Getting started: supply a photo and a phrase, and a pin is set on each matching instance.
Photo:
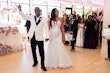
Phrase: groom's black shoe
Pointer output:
(44, 68)
(34, 64)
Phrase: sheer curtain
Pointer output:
(106, 22)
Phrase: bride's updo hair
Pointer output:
(53, 16)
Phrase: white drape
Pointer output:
(106, 22)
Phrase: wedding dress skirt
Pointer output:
(56, 55)
(80, 36)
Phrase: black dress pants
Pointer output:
(108, 48)
(74, 39)
(72, 44)
(40, 44)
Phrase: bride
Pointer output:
(56, 55)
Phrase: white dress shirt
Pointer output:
(39, 29)
(37, 18)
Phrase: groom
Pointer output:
(36, 34)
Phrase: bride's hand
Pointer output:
(46, 39)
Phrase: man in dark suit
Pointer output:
(74, 29)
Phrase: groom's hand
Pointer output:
(19, 7)
(46, 39)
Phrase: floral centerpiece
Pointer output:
(8, 29)
(5, 49)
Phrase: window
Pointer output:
(42, 6)
(25, 8)
(68, 11)
(79, 10)
(94, 9)
(3, 0)
(54, 5)
(3, 15)
(87, 11)
(21, 1)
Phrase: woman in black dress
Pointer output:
(90, 41)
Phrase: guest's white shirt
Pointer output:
(39, 29)
(106, 33)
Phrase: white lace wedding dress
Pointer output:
(56, 55)
(80, 36)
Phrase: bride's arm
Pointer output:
(49, 24)
(63, 30)
(48, 28)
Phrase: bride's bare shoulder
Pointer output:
(60, 19)
(48, 19)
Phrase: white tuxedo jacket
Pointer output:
(39, 29)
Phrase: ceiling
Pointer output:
(88, 2)
(94, 2)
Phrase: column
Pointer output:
(106, 22)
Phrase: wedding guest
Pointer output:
(80, 34)
(74, 30)
(90, 33)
